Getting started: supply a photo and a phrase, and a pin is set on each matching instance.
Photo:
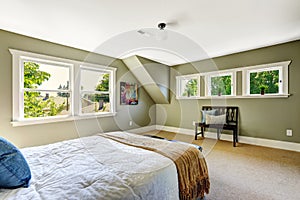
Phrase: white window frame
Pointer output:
(110, 90)
(283, 77)
(208, 77)
(18, 58)
(179, 86)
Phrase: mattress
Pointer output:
(95, 167)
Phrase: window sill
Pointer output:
(266, 96)
(60, 119)
(258, 96)
(194, 97)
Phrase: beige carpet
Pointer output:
(247, 171)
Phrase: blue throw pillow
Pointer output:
(207, 112)
(14, 170)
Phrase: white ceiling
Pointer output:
(203, 28)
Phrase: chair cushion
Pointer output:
(14, 169)
(220, 119)
(207, 112)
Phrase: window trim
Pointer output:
(179, 80)
(210, 75)
(17, 81)
(283, 75)
(23, 59)
(285, 80)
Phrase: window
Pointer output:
(269, 79)
(266, 80)
(95, 90)
(45, 89)
(188, 86)
(219, 84)
(260, 81)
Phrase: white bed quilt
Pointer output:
(96, 168)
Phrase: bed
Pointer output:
(115, 165)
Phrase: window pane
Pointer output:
(265, 80)
(94, 80)
(189, 87)
(94, 103)
(45, 77)
(221, 85)
(41, 104)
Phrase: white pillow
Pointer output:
(211, 119)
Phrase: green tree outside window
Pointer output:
(191, 88)
(34, 104)
(269, 80)
(103, 86)
(220, 85)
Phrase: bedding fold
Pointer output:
(191, 166)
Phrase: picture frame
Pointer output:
(128, 93)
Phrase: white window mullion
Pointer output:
(246, 80)
(285, 77)
(280, 84)
(94, 92)
(77, 90)
(20, 115)
(198, 86)
(21, 106)
(112, 90)
(233, 84)
(208, 85)
(71, 88)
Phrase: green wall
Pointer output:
(142, 114)
(261, 118)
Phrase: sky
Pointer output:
(60, 76)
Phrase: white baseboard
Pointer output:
(292, 146)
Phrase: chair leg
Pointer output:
(218, 134)
(202, 132)
(234, 138)
(196, 131)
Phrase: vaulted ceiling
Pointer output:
(196, 29)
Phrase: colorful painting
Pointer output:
(129, 93)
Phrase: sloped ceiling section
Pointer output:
(153, 76)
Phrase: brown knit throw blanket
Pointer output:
(191, 167)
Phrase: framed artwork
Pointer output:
(128, 93)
